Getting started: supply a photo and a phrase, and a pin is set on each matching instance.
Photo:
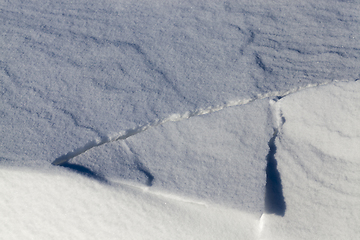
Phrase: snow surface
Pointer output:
(219, 157)
(145, 103)
(56, 204)
(318, 159)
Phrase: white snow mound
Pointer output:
(318, 158)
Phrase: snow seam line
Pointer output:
(174, 118)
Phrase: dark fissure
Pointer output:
(274, 198)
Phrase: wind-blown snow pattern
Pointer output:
(169, 97)
(77, 71)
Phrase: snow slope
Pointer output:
(318, 159)
(138, 101)
(57, 204)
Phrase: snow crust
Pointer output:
(73, 72)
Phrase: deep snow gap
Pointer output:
(274, 197)
(176, 117)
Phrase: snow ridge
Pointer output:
(173, 118)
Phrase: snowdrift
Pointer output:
(179, 120)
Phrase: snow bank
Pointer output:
(318, 159)
(56, 204)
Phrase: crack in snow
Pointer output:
(173, 118)
(274, 197)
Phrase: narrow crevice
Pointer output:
(274, 197)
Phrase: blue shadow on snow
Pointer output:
(274, 198)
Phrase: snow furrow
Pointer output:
(173, 118)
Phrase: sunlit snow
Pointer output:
(318, 159)
(179, 119)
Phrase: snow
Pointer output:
(222, 110)
(318, 159)
(56, 204)
(219, 157)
